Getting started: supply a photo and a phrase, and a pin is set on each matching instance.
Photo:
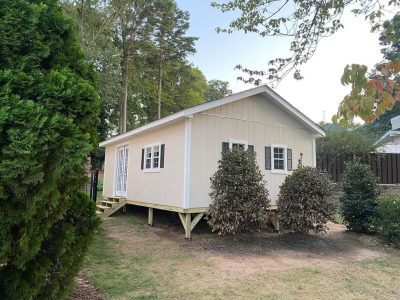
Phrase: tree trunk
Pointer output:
(123, 103)
(159, 86)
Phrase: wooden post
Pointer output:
(188, 223)
(124, 209)
(150, 217)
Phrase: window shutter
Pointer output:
(162, 156)
(225, 146)
(142, 163)
(267, 158)
(250, 148)
(289, 159)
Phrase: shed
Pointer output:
(167, 164)
(390, 141)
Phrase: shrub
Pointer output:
(305, 201)
(359, 201)
(240, 199)
(344, 141)
(48, 122)
(387, 221)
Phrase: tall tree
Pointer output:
(133, 21)
(48, 120)
(170, 39)
(217, 89)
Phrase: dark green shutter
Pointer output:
(267, 158)
(142, 163)
(225, 146)
(250, 148)
(162, 156)
(289, 160)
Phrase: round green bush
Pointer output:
(387, 222)
(240, 199)
(359, 200)
(305, 201)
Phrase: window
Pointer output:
(156, 156)
(233, 144)
(279, 158)
(152, 157)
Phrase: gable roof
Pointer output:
(187, 113)
(387, 135)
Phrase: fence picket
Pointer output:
(385, 166)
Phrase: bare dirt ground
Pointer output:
(268, 265)
(248, 254)
(84, 290)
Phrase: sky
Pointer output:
(318, 95)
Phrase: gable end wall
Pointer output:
(256, 120)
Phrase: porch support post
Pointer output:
(274, 218)
(150, 217)
(188, 226)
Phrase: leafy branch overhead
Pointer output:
(372, 95)
(305, 23)
(369, 98)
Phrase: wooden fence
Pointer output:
(385, 166)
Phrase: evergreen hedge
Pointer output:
(48, 120)
(360, 197)
(305, 201)
(240, 199)
(387, 222)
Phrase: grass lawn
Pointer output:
(129, 260)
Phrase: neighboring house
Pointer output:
(167, 164)
(390, 141)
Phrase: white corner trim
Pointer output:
(186, 163)
(314, 151)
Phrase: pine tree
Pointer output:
(48, 118)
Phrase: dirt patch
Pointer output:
(157, 262)
(84, 290)
(268, 251)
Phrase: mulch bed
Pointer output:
(85, 290)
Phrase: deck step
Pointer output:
(110, 206)
(108, 202)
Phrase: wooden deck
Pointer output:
(189, 217)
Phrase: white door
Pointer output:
(121, 171)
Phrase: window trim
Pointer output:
(278, 171)
(245, 143)
(152, 169)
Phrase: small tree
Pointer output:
(387, 222)
(305, 201)
(240, 199)
(359, 201)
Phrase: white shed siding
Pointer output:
(253, 119)
(164, 187)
